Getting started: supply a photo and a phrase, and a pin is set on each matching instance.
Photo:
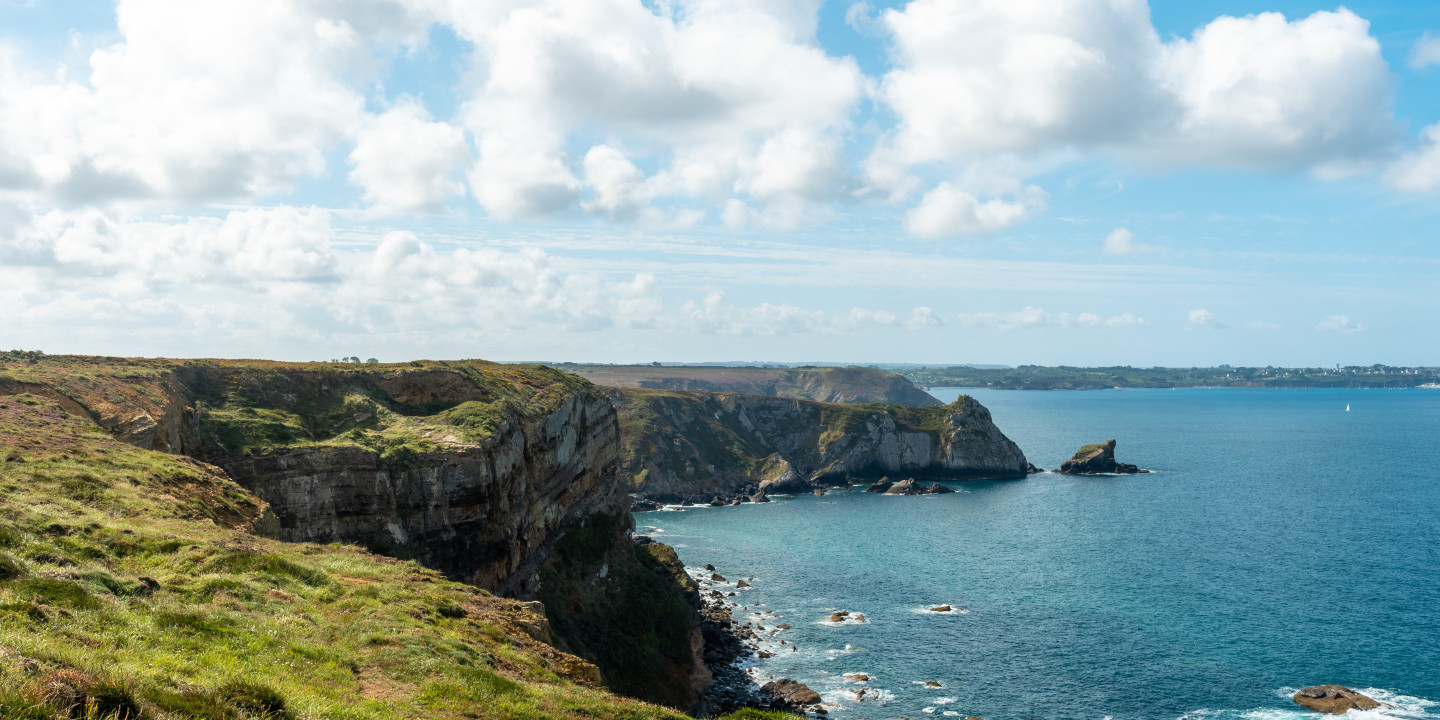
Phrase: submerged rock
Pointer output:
(940, 608)
(1334, 699)
(1096, 459)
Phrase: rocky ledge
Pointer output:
(1097, 459)
(1335, 699)
(908, 486)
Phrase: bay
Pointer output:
(1281, 541)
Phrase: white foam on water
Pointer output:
(1402, 707)
(944, 700)
(951, 713)
(928, 710)
(954, 610)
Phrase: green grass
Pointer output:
(129, 600)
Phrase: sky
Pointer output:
(1086, 182)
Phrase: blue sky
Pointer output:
(1091, 182)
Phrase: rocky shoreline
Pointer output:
(731, 645)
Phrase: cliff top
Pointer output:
(254, 406)
(823, 384)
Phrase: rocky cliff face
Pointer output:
(694, 446)
(500, 476)
(821, 384)
(487, 513)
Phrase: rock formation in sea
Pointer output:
(908, 486)
(1095, 459)
(680, 446)
(1334, 699)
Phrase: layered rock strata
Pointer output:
(697, 446)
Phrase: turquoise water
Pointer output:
(1281, 542)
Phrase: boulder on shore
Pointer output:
(1095, 459)
(759, 498)
(1334, 699)
(791, 693)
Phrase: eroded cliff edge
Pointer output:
(501, 476)
(694, 446)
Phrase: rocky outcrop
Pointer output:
(500, 476)
(487, 514)
(1097, 459)
(1334, 699)
(908, 486)
(790, 694)
(693, 446)
(822, 384)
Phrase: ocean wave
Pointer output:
(1401, 707)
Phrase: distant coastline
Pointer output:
(1036, 377)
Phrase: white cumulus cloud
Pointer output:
(1121, 241)
(991, 79)
(406, 161)
(947, 210)
(1202, 318)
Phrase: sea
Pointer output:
(1285, 538)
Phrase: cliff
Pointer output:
(500, 476)
(822, 384)
(695, 446)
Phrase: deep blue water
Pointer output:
(1280, 542)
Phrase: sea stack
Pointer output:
(1096, 459)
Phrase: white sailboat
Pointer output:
(1347, 407)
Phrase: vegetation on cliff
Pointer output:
(822, 384)
(132, 581)
(679, 445)
(130, 585)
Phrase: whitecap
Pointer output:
(1401, 707)
(954, 610)
(944, 700)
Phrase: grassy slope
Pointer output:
(129, 585)
(127, 576)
